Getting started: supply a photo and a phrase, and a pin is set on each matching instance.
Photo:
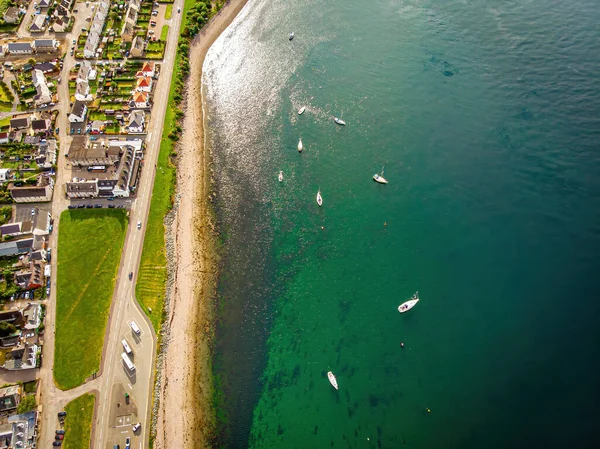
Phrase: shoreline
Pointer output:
(186, 417)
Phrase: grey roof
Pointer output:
(24, 244)
(45, 67)
(19, 122)
(78, 108)
(39, 125)
(27, 192)
(81, 187)
(106, 183)
(31, 140)
(19, 46)
(10, 228)
(44, 43)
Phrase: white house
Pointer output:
(43, 96)
(82, 92)
(4, 175)
(144, 84)
(19, 48)
(136, 122)
(78, 112)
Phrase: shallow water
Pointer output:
(486, 118)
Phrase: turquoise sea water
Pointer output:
(486, 115)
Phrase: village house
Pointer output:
(5, 174)
(93, 39)
(19, 123)
(10, 397)
(42, 192)
(40, 126)
(137, 47)
(78, 112)
(82, 91)
(4, 138)
(45, 45)
(45, 67)
(144, 84)
(136, 122)
(39, 24)
(19, 48)
(148, 69)
(11, 15)
(43, 96)
(140, 100)
(43, 3)
(46, 155)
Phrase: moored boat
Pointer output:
(332, 380)
(339, 121)
(379, 178)
(280, 176)
(291, 35)
(319, 198)
(300, 146)
(406, 306)
(301, 110)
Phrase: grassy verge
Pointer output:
(78, 422)
(90, 244)
(152, 277)
(164, 32)
(168, 12)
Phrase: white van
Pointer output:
(135, 328)
(126, 347)
(128, 363)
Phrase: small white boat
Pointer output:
(379, 178)
(339, 121)
(332, 380)
(301, 110)
(280, 176)
(291, 35)
(319, 198)
(300, 146)
(406, 306)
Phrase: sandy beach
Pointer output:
(185, 418)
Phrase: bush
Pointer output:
(27, 404)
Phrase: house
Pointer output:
(45, 45)
(11, 15)
(84, 71)
(10, 397)
(19, 48)
(46, 155)
(14, 247)
(140, 100)
(4, 174)
(38, 24)
(22, 357)
(93, 39)
(33, 194)
(19, 123)
(82, 189)
(45, 67)
(137, 47)
(43, 96)
(40, 126)
(78, 112)
(61, 12)
(144, 84)
(97, 126)
(149, 69)
(82, 91)
(136, 122)
(127, 33)
(3, 138)
(30, 277)
(32, 316)
(44, 3)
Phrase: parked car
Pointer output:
(98, 206)
(136, 427)
(32, 211)
(57, 443)
(62, 414)
(26, 295)
(127, 443)
(81, 206)
(111, 206)
(130, 275)
(47, 291)
(79, 131)
(72, 130)
(57, 130)
(59, 437)
(111, 198)
(89, 206)
(60, 432)
(139, 225)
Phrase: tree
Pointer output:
(6, 329)
(27, 404)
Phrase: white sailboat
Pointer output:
(301, 110)
(406, 306)
(300, 146)
(292, 35)
(332, 380)
(339, 121)
(319, 198)
(379, 178)
(280, 176)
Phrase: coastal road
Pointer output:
(125, 307)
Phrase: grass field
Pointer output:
(168, 12)
(78, 423)
(90, 244)
(152, 277)
(164, 32)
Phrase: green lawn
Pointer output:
(152, 277)
(89, 250)
(78, 422)
(164, 32)
(168, 12)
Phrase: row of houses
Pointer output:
(95, 32)
(29, 48)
